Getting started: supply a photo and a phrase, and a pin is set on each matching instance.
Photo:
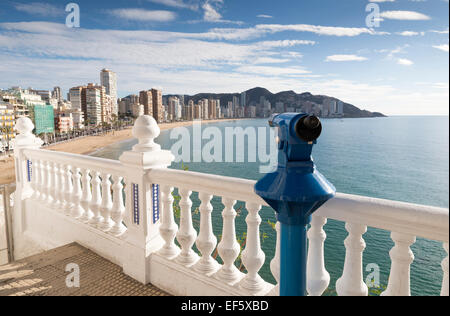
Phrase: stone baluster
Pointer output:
(253, 257)
(318, 276)
(401, 259)
(50, 183)
(106, 206)
(118, 208)
(168, 228)
(68, 186)
(206, 241)
(275, 263)
(76, 211)
(351, 283)
(36, 184)
(96, 200)
(229, 248)
(62, 188)
(186, 235)
(56, 186)
(43, 177)
(86, 196)
(445, 284)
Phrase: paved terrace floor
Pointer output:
(45, 275)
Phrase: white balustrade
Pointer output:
(275, 263)
(401, 258)
(168, 228)
(229, 248)
(351, 283)
(96, 200)
(56, 186)
(61, 188)
(86, 196)
(318, 276)
(186, 235)
(253, 257)
(445, 283)
(43, 185)
(106, 205)
(36, 179)
(76, 211)
(118, 207)
(68, 186)
(206, 241)
(50, 184)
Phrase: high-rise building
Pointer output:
(340, 108)
(108, 79)
(93, 112)
(243, 99)
(146, 99)
(174, 109)
(158, 112)
(56, 94)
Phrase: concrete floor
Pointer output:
(45, 275)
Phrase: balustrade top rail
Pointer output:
(418, 220)
(109, 166)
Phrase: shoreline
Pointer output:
(91, 144)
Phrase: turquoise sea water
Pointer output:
(397, 158)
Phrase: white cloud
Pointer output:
(443, 47)
(211, 14)
(404, 62)
(40, 8)
(176, 4)
(339, 58)
(264, 16)
(381, 0)
(317, 29)
(410, 33)
(144, 15)
(404, 15)
(285, 43)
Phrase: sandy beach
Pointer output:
(87, 145)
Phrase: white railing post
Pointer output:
(118, 208)
(56, 186)
(77, 210)
(401, 258)
(351, 283)
(318, 276)
(86, 197)
(253, 257)
(275, 263)
(36, 184)
(444, 291)
(206, 241)
(168, 228)
(186, 235)
(229, 248)
(96, 200)
(142, 209)
(106, 206)
(68, 186)
(61, 188)
(23, 168)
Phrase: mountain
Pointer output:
(289, 98)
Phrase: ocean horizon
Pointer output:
(402, 158)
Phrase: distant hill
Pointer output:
(290, 98)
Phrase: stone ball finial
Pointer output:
(146, 129)
(24, 126)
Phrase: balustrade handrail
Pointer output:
(418, 220)
(109, 166)
(235, 188)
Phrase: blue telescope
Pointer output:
(295, 191)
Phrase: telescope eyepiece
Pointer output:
(309, 128)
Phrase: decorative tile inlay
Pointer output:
(29, 170)
(136, 204)
(155, 192)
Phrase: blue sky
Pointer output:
(192, 46)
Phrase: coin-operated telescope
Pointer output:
(295, 191)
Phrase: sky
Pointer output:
(390, 56)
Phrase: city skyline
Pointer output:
(215, 46)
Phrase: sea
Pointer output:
(397, 158)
